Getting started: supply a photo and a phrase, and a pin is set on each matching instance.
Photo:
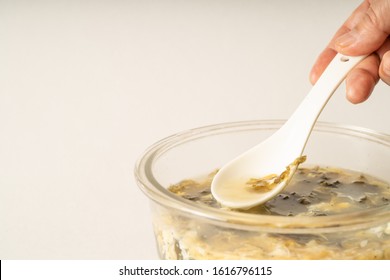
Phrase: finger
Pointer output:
(369, 32)
(361, 81)
(322, 62)
(329, 53)
(352, 21)
(384, 69)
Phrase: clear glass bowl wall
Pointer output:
(185, 230)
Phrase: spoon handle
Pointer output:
(305, 116)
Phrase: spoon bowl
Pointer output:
(278, 154)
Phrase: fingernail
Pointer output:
(347, 39)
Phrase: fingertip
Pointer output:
(321, 63)
(313, 76)
(359, 86)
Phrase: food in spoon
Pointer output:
(268, 183)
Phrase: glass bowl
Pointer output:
(187, 230)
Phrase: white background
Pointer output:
(86, 86)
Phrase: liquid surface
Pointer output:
(318, 191)
(313, 191)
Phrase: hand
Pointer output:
(366, 31)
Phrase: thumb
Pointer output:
(369, 32)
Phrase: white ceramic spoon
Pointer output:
(272, 156)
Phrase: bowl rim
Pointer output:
(298, 224)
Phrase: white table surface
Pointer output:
(86, 86)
